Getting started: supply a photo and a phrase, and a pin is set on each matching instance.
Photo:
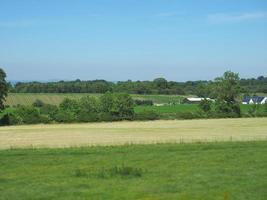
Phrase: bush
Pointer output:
(187, 115)
(63, 116)
(84, 116)
(4, 120)
(147, 115)
(227, 109)
(28, 114)
(139, 102)
(205, 105)
(123, 171)
(107, 117)
(48, 109)
(38, 103)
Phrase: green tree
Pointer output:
(3, 88)
(227, 87)
(205, 105)
(106, 102)
(227, 91)
(123, 106)
(161, 83)
(69, 105)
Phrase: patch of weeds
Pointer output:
(117, 171)
(123, 171)
(80, 173)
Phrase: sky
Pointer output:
(132, 39)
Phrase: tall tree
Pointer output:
(3, 88)
(228, 90)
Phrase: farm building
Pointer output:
(254, 100)
(193, 100)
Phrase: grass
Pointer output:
(168, 108)
(209, 171)
(116, 133)
(165, 109)
(56, 98)
(50, 98)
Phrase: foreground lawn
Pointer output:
(114, 133)
(211, 171)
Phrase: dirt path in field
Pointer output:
(116, 133)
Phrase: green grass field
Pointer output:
(165, 109)
(208, 171)
(168, 108)
(56, 98)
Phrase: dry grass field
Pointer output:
(115, 133)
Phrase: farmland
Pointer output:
(227, 170)
(166, 109)
(117, 133)
(56, 98)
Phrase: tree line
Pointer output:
(120, 106)
(157, 86)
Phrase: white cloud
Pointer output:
(226, 17)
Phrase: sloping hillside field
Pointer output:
(115, 133)
(14, 99)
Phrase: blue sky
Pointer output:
(132, 39)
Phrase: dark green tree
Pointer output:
(227, 91)
(3, 88)
(161, 83)
(123, 106)
(205, 105)
(227, 87)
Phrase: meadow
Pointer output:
(167, 109)
(210, 171)
(135, 132)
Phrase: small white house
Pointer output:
(254, 100)
(195, 99)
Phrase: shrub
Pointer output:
(228, 109)
(84, 116)
(80, 173)
(147, 115)
(123, 107)
(38, 103)
(64, 116)
(107, 117)
(4, 120)
(187, 115)
(205, 105)
(123, 171)
(139, 102)
(28, 114)
(69, 105)
(48, 109)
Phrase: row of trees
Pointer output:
(120, 106)
(109, 107)
(157, 86)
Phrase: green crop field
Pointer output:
(56, 98)
(208, 171)
(165, 109)
(50, 98)
(168, 108)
